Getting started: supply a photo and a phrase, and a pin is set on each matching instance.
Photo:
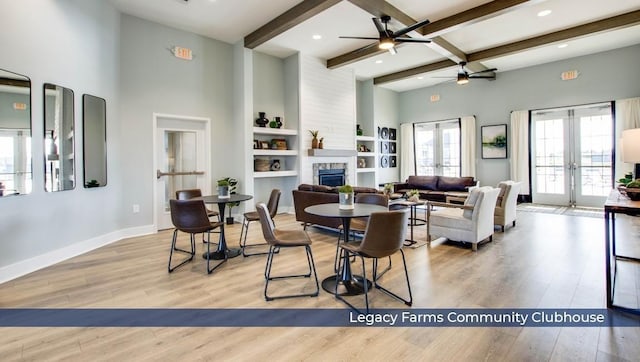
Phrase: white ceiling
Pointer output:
(231, 20)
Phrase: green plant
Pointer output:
(634, 184)
(223, 182)
(232, 183)
(413, 192)
(345, 189)
(314, 133)
(388, 188)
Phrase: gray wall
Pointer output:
(73, 43)
(603, 77)
(153, 80)
(385, 113)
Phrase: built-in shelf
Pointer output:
(266, 174)
(367, 169)
(275, 131)
(323, 152)
(365, 154)
(365, 138)
(275, 152)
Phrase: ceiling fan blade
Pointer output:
(411, 28)
(445, 77)
(367, 47)
(485, 71)
(482, 77)
(412, 40)
(378, 25)
(358, 37)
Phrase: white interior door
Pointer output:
(573, 162)
(181, 161)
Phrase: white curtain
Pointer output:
(468, 146)
(627, 117)
(520, 150)
(407, 156)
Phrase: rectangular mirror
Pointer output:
(15, 134)
(59, 157)
(94, 134)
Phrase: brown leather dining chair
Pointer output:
(190, 216)
(383, 237)
(191, 194)
(272, 205)
(359, 224)
(279, 239)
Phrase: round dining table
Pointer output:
(223, 252)
(345, 283)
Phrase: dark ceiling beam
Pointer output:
(608, 24)
(437, 28)
(378, 8)
(407, 73)
(287, 20)
(615, 22)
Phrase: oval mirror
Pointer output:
(94, 134)
(15, 134)
(59, 156)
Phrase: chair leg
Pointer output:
(365, 285)
(191, 253)
(226, 257)
(312, 270)
(243, 240)
(408, 302)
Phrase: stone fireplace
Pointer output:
(330, 173)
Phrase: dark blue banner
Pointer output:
(170, 317)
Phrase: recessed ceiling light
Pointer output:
(317, 36)
(544, 13)
(420, 77)
(563, 45)
(379, 61)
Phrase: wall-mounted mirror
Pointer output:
(15, 134)
(59, 157)
(94, 134)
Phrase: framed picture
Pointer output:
(392, 161)
(494, 141)
(384, 161)
(264, 145)
(384, 147)
(384, 133)
(256, 144)
(392, 134)
(392, 147)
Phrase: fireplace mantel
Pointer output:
(323, 152)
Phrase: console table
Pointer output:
(616, 204)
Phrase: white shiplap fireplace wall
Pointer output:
(327, 104)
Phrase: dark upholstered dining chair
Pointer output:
(190, 216)
(189, 194)
(279, 239)
(383, 237)
(272, 205)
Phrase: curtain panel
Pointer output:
(627, 117)
(519, 160)
(407, 155)
(468, 146)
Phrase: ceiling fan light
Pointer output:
(462, 78)
(386, 44)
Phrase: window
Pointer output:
(437, 148)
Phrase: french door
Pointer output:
(437, 148)
(181, 161)
(572, 148)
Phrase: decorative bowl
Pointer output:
(633, 193)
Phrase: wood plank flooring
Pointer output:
(546, 261)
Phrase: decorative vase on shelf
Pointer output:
(358, 130)
(275, 123)
(320, 143)
(262, 120)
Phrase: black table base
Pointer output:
(354, 286)
(219, 255)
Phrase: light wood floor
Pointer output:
(546, 261)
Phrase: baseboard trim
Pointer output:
(30, 265)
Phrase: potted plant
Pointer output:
(314, 140)
(231, 185)
(388, 189)
(346, 197)
(413, 195)
(223, 189)
(633, 190)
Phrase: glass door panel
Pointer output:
(437, 148)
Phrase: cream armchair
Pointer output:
(506, 205)
(471, 222)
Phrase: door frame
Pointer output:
(207, 156)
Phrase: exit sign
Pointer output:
(182, 53)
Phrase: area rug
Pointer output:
(562, 210)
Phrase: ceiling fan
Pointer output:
(464, 76)
(387, 39)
